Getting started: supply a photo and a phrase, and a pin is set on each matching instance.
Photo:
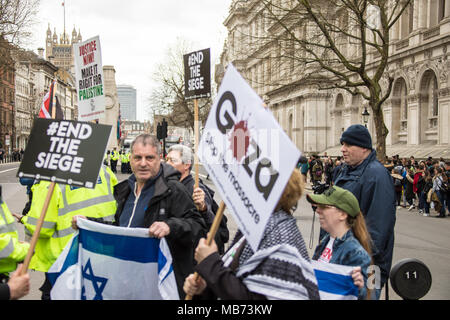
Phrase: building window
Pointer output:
(433, 103)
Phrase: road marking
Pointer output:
(9, 170)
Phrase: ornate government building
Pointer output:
(417, 112)
(60, 53)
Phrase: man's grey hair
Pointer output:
(147, 139)
(187, 157)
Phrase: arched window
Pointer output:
(429, 105)
(290, 125)
(338, 122)
(401, 101)
(429, 90)
(339, 101)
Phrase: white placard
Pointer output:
(89, 79)
(247, 155)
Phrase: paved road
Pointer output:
(423, 238)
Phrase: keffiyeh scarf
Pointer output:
(280, 268)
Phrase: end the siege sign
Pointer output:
(197, 74)
(64, 151)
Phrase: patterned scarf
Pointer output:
(280, 268)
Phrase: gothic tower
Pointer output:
(62, 50)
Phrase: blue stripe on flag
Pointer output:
(120, 246)
(162, 261)
(71, 259)
(335, 283)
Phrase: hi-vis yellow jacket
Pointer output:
(67, 201)
(114, 155)
(11, 250)
(124, 158)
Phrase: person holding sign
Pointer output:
(66, 202)
(181, 158)
(279, 269)
(17, 287)
(347, 241)
(154, 198)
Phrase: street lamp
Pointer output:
(365, 114)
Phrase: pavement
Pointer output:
(416, 236)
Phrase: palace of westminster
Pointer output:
(417, 112)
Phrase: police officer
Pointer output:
(66, 202)
(114, 159)
(128, 153)
(106, 158)
(12, 251)
(124, 162)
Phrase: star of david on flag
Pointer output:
(98, 283)
(103, 262)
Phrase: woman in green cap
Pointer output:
(347, 241)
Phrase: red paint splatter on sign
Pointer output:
(240, 140)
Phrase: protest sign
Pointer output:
(89, 79)
(66, 152)
(197, 74)
(247, 155)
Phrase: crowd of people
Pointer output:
(357, 213)
(15, 155)
(419, 185)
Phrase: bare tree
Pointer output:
(336, 44)
(16, 20)
(168, 98)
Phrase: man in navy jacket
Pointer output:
(372, 185)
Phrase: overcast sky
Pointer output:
(135, 34)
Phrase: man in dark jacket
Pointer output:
(153, 197)
(181, 158)
(372, 185)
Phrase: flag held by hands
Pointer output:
(103, 262)
(335, 281)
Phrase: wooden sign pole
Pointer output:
(211, 234)
(196, 129)
(37, 231)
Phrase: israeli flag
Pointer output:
(103, 262)
(335, 281)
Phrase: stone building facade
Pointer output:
(416, 114)
(7, 92)
(25, 101)
(33, 76)
(111, 105)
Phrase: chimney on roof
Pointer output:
(41, 53)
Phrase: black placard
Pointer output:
(197, 74)
(63, 151)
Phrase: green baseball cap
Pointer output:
(337, 197)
